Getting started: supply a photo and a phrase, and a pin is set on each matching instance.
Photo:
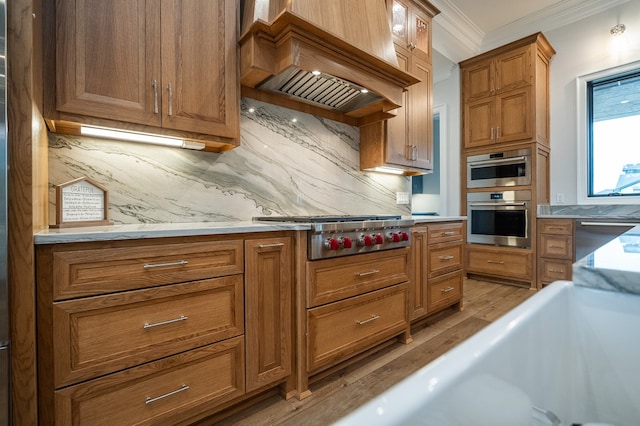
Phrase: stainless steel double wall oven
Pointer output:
(498, 215)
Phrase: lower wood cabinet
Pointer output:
(437, 275)
(556, 250)
(162, 331)
(500, 262)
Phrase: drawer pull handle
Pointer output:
(445, 257)
(157, 398)
(171, 321)
(497, 262)
(162, 265)
(447, 233)
(557, 271)
(559, 228)
(558, 247)
(446, 290)
(271, 245)
(373, 318)
(371, 272)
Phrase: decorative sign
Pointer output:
(81, 202)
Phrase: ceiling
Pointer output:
(465, 28)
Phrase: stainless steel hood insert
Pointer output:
(320, 89)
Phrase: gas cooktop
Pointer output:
(326, 218)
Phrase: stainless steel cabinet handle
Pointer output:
(445, 257)
(155, 96)
(171, 321)
(371, 272)
(157, 398)
(163, 265)
(446, 290)
(414, 155)
(497, 204)
(558, 247)
(170, 91)
(497, 262)
(497, 160)
(447, 233)
(607, 224)
(492, 133)
(557, 271)
(270, 245)
(412, 45)
(373, 318)
(498, 132)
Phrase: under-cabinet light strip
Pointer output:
(101, 132)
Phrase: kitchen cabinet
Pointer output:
(405, 142)
(555, 250)
(437, 275)
(268, 308)
(163, 67)
(183, 326)
(505, 94)
(506, 264)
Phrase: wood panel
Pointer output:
(268, 311)
(500, 262)
(103, 334)
(444, 258)
(152, 393)
(330, 280)
(445, 290)
(418, 290)
(98, 271)
(27, 197)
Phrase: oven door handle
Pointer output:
(497, 161)
(497, 204)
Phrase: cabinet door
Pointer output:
(478, 80)
(397, 127)
(421, 122)
(478, 122)
(513, 70)
(268, 310)
(514, 116)
(107, 58)
(421, 32)
(418, 290)
(199, 82)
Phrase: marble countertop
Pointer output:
(625, 212)
(160, 230)
(614, 266)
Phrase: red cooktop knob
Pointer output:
(365, 240)
(394, 237)
(404, 236)
(379, 238)
(332, 244)
(347, 243)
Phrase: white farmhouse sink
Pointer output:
(571, 351)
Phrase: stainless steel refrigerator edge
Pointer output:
(4, 305)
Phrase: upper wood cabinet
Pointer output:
(158, 66)
(405, 142)
(411, 26)
(505, 94)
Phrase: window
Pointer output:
(613, 135)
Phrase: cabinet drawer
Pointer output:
(344, 328)
(445, 290)
(555, 226)
(556, 246)
(331, 280)
(102, 334)
(553, 270)
(445, 232)
(501, 263)
(444, 258)
(99, 271)
(160, 392)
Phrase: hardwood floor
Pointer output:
(340, 393)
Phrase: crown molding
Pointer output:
(547, 19)
(458, 38)
(455, 35)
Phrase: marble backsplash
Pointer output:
(306, 166)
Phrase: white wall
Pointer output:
(446, 94)
(582, 48)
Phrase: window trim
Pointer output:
(582, 136)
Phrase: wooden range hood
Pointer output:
(285, 43)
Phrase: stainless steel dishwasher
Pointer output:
(592, 234)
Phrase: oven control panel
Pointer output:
(343, 243)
